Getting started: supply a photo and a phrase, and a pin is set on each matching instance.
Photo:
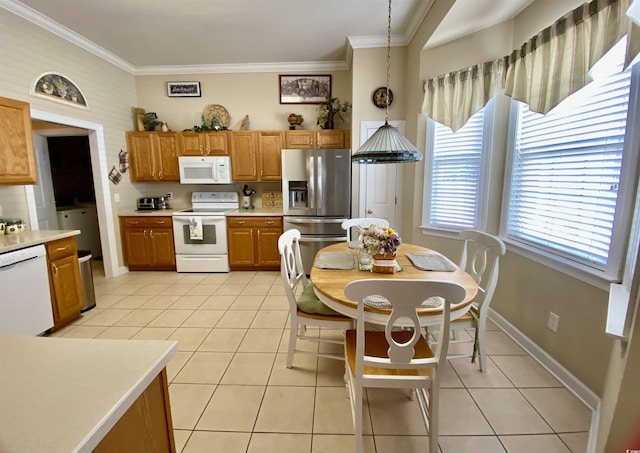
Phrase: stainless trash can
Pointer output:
(86, 276)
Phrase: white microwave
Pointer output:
(205, 170)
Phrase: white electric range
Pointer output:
(200, 233)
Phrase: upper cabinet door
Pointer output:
(270, 156)
(215, 144)
(17, 156)
(244, 163)
(141, 156)
(167, 158)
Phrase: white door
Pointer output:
(43, 191)
(378, 183)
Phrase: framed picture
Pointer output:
(183, 89)
(57, 87)
(304, 89)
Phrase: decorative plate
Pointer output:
(380, 97)
(219, 112)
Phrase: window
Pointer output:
(566, 171)
(454, 174)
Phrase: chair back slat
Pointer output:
(405, 297)
(291, 269)
(480, 258)
(363, 222)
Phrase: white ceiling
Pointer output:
(150, 36)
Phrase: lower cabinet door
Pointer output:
(241, 247)
(164, 254)
(268, 254)
(136, 250)
(67, 292)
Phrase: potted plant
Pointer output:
(329, 109)
(150, 121)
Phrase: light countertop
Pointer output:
(256, 212)
(237, 212)
(65, 394)
(28, 238)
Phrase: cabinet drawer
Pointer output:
(146, 222)
(254, 222)
(61, 248)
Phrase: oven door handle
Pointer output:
(314, 221)
(322, 238)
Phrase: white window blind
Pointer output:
(454, 175)
(566, 173)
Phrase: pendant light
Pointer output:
(387, 145)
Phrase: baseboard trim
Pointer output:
(568, 380)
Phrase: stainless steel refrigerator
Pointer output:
(316, 197)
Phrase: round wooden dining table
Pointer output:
(329, 285)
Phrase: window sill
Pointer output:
(570, 268)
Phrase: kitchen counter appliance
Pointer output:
(316, 197)
(200, 233)
(148, 204)
(25, 305)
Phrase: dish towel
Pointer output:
(381, 302)
(431, 262)
(195, 228)
(336, 260)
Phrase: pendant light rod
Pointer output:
(387, 145)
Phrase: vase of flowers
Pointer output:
(328, 111)
(382, 244)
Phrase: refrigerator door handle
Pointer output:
(311, 169)
(321, 238)
(319, 181)
(313, 220)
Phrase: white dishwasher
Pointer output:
(25, 304)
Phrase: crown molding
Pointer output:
(372, 41)
(242, 68)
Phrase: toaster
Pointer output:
(148, 204)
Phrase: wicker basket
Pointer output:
(384, 264)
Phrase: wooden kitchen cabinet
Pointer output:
(270, 155)
(17, 156)
(147, 243)
(146, 426)
(256, 155)
(244, 160)
(153, 156)
(253, 242)
(313, 139)
(204, 143)
(65, 286)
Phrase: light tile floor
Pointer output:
(231, 392)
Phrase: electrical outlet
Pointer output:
(553, 321)
(169, 195)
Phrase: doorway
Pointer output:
(104, 208)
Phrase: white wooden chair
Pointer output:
(398, 358)
(304, 306)
(350, 224)
(480, 258)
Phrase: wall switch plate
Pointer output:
(553, 321)
(116, 197)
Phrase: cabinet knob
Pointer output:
(241, 222)
(151, 234)
(369, 211)
(269, 222)
(55, 269)
(160, 174)
(153, 174)
(144, 233)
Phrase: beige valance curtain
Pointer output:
(556, 62)
(545, 70)
(453, 98)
